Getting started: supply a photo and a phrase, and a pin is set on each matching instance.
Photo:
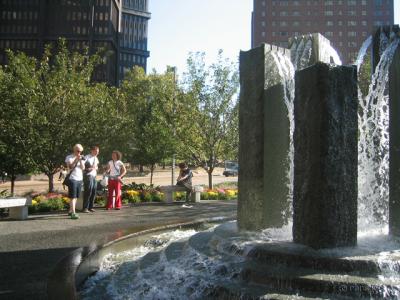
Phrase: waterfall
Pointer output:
(373, 148)
(363, 51)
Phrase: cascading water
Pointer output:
(373, 170)
(363, 51)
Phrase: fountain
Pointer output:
(298, 148)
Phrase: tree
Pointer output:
(66, 107)
(150, 138)
(18, 90)
(207, 111)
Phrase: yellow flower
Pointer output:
(230, 193)
(34, 202)
(132, 193)
(65, 200)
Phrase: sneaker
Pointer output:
(74, 217)
(118, 208)
(187, 206)
(86, 211)
(91, 210)
(69, 214)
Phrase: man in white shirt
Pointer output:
(89, 179)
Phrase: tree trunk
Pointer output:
(141, 170)
(210, 179)
(163, 165)
(51, 182)
(13, 178)
(151, 174)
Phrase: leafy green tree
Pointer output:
(66, 106)
(207, 111)
(150, 139)
(18, 90)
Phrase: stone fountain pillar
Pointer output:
(394, 145)
(325, 159)
(264, 140)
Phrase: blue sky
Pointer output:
(178, 27)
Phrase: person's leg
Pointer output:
(86, 192)
(188, 195)
(93, 189)
(72, 196)
(118, 201)
(111, 188)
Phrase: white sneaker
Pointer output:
(187, 206)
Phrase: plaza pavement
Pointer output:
(30, 249)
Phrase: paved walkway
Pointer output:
(30, 249)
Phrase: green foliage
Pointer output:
(18, 92)
(150, 138)
(207, 112)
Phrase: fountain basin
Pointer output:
(224, 263)
(71, 272)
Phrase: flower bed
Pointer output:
(219, 194)
(137, 193)
(48, 202)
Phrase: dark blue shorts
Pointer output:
(74, 189)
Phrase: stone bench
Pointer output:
(169, 190)
(18, 207)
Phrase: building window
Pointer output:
(352, 33)
(329, 23)
(328, 13)
(351, 23)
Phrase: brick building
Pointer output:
(346, 23)
(28, 25)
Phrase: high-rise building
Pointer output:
(28, 25)
(346, 23)
(133, 37)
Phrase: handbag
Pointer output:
(67, 180)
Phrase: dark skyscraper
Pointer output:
(28, 25)
(346, 23)
(133, 37)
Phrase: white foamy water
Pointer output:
(363, 51)
(373, 146)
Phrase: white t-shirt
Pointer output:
(77, 173)
(94, 162)
(115, 170)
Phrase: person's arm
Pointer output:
(107, 171)
(123, 169)
(71, 163)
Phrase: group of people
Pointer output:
(83, 169)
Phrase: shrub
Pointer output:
(100, 200)
(145, 197)
(180, 196)
(43, 207)
(55, 204)
(222, 196)
(212, 195)
(133, 199)
(157, 197)
(203, 196)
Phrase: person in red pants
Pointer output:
(116, 171)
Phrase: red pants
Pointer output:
(114, 185)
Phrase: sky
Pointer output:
(178, 27)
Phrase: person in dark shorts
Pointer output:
(76, 165)
(185, 180)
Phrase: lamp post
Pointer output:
(173, 112)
